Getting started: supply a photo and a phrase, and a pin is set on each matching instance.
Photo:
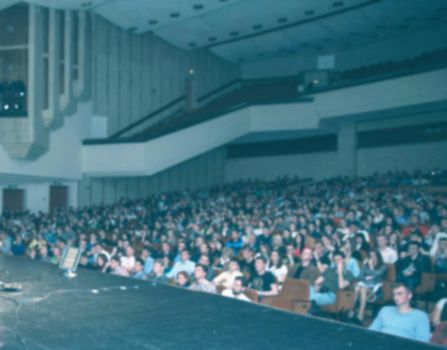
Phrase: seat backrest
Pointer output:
(387, 289)
(345, 300)
(391, 272)
(252, 295)
(428, 283)
(220, 289)
(295, 289)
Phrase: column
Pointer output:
(347, 149)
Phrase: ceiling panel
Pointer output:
(250, 29)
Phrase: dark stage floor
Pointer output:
(96, 311)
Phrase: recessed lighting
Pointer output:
(309, 12)
(235, 33)
(192, 44)
(282, 20)
(175, 14)
(212, 38)
(257, 27)
(198, 7)
(153, 22)
(338, 4)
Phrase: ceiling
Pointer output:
(245, 30)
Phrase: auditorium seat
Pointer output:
(425, 290)
(252, 295)
(293, 296)
(344, 302)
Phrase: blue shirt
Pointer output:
(414, 324)
(148, 265)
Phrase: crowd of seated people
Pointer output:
(337, 234)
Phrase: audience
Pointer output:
(338, 233)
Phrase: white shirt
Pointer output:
(389, 255)
(127, 262)
(229, 293)
(441, 303)
(279, 273)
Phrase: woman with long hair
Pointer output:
(372, 275)
(277, 267)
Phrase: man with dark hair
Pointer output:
(324, 290)
(247, 263)
(410, 268)
(158, 272)
(306, 269)
(263, 281)
(402, 320)
(138, 270)
(237, 290)
(201, 284)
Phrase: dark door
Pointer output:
(58, 197)
(13, 199)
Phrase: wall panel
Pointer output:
(137, 73)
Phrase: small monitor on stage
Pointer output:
(70, 260)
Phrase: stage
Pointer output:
(98, 311)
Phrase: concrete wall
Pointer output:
(205, 170)
(63, 159)
(313, 165)
(37, 195)
(385, 98)
(408, 157)
(405, 46)
(423, 156)
(134, 74)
